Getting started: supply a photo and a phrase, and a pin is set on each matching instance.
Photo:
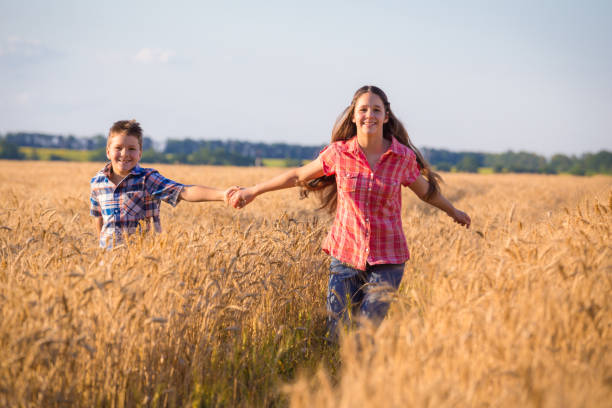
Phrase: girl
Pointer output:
(359, 176)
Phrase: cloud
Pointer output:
(23, 98)
(153, 56)
(20, 47)
(18, 52)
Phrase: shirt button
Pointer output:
(116, 211)
(367, 220)
(367, 249)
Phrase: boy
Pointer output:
(124, 195)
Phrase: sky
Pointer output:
(487, 76)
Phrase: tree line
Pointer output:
(241, 153)
(520, 162)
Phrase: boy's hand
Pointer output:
(461, 218)
(227, 194)
(242, 198)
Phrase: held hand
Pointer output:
(242, 198)
(227, 194)
(461, 218)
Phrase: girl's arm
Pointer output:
(420, 187)
(203, 193)
(288, 179)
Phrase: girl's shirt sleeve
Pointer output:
(411, 169)
(164, 189)
(328, 159)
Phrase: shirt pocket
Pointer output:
(134, 205)
(347, 181)
(387, 187)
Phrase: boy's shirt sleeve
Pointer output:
(328, 159)
(162, 188)
(94, 204)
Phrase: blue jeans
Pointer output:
(352, 292)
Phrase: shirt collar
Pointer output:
(353, 146)
(136, 171)
(396, 147)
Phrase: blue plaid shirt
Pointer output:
(132, 203)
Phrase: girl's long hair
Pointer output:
(345, 129)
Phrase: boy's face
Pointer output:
(124, 153)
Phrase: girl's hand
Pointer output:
(227, 194)
(242, 197)
(460, 217)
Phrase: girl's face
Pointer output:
(370, 114)
(124, 153)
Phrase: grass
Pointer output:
(58, 154)
(226, 308)
(279, 162)
(41, 153)
(485, 170)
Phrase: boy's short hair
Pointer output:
(129, 127)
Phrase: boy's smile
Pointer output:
(124, 152)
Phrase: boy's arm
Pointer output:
(203, 193)
(95, 210)
(420, 187)
(172, 192)
(98, 222)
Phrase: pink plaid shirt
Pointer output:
(368, 224)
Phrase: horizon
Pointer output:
(462, 77)
(159, 145)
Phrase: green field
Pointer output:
(43, 153)
(282, 162)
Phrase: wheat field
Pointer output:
(226, 307)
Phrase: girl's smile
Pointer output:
(370, 114)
